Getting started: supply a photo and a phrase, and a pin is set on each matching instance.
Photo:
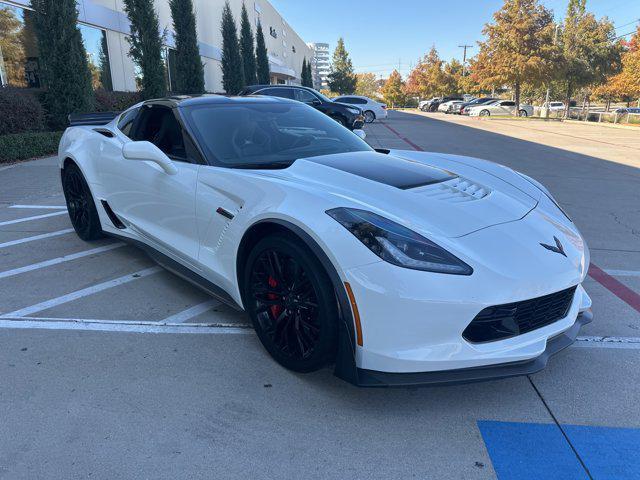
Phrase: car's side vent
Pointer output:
(103, 132)
(456, 190)
(112, 216)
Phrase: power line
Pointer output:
(627, 24)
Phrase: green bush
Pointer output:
(116, 101)
(21, 146)
(20, 111)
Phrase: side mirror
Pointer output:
(360, 133)
(148, 151)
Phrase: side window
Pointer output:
(159, 126)
(508, 104)
(358, 101)
(126, 121)
(277, 92)
(305, 96)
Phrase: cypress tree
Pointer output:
(65, 64)
(310, 74)
(104, 66)
(145, 46)
(189, 69)
(262, 60)
(305, 76)
(232, 69)
(247, 49)
(342, 80)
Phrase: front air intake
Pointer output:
(511, 319)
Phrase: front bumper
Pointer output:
(371, 378)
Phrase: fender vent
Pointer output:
(112, 216)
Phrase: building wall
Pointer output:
(109, 15)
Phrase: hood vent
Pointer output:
(456, 190)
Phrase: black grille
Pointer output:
(511, 319)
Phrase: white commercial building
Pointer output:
(105, 27)
(320, 65)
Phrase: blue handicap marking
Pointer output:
(532, 451)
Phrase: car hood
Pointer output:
(436, 194)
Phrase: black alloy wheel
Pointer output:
(80, 206)
(290, 300)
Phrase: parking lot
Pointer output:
(114, 368)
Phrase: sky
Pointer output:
(381, 35)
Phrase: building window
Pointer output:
(19, 56)
(272, 32)
(293, 48)
(20, 63)
(95, 43)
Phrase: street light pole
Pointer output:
(464, 57)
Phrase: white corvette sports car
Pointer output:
(399, 267)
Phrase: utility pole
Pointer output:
(464, 57)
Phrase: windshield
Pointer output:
(264, 135)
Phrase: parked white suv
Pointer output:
(371, 108)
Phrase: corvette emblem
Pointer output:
(558, 248)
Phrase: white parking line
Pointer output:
(36, 237)
(623, 273)
(119, 327)
(40, 207)
(194, 311)
(56, 261)
(28, 219)
(38, 307)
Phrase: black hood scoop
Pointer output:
(387, 169)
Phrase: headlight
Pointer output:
(355, 111)
(397, 244)
(544, 190)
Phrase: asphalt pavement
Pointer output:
(113, 368)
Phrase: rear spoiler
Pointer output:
(96, 118)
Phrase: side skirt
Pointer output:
(183, 272)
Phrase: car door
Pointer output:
(157, 206)
(507, 107)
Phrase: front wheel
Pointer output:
(80, 205)
(485, 113)
(523, 113)
(341, 121)
(424, 108)
(369, 116)
(291, 302)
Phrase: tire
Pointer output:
(369, 116)
(80, 205)
(523, 113)
(291, 302)
(485, 113)
(425, 108)
(341, 121)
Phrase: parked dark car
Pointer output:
(348, 115)
(474, 102)
(433, 106)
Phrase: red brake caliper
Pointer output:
(276, 310)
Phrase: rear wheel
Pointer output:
(80, 205)
(425, 108)
(369, 116)
(523, 113)
(485, 113)
(291, 302)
